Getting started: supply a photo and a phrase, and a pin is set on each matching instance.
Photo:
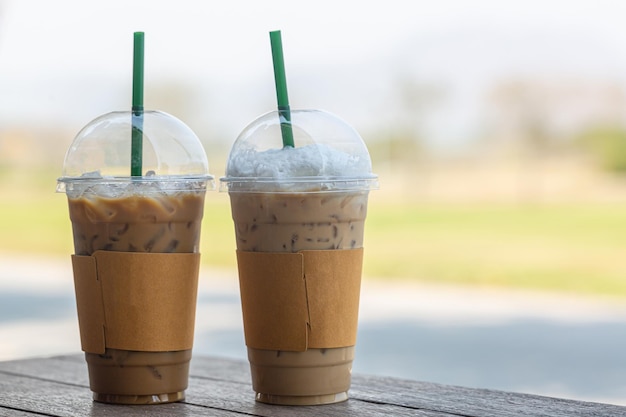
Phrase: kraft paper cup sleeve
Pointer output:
(297, 301)
(136, 301)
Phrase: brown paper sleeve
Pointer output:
(136, 301)
(89, 304)
(296, 301)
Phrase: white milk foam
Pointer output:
(314, 160)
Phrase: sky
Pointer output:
(65, 62)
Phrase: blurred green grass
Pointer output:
(573, 248)
(557, 247)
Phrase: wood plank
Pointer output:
(239, 397)
(416, 395)
(70, 369)
(58, 386)
(473, 402)
(221, 368)
(216, 374)
(41, 397)
(4, 411)
(214, 385)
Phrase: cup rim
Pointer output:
(208, 180)
(299, 184)
(143, 178)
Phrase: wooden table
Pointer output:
(58, 386)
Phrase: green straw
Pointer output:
(136, 153)
(281, 89)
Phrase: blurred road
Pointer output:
(549, 344)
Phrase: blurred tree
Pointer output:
(607, 144)
(403, 141)
(396, 147)
(415, 101)
(538, 116)
(520, 120)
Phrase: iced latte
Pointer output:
(136, 258)
(294, 209)
(138, 223)
(286, 222)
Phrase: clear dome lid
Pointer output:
(101, 152)
(329, 154)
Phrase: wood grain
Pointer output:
(58, 386)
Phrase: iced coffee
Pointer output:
(291, 222)
(162, 223)
(137, 223)
(302, 200)
(286, 222)
(136, 259)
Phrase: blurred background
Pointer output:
(498, 130)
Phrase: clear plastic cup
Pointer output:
(157, 215)
(303, 200)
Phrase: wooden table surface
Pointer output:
(58, 386)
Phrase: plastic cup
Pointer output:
(309, 201)
(136, 242)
